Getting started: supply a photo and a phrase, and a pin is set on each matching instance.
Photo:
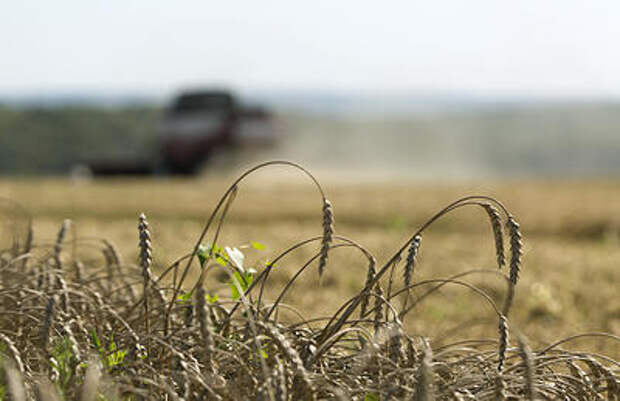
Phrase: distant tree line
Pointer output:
(531, 140)
(52, 140)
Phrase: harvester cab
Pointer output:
(199, 123)
(194, 126)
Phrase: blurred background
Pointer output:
(398, 108)
(406, 89)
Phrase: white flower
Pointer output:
(235, 256)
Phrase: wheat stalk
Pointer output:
(88, 392)
(378, 308)
(500, 388)
(45, 391)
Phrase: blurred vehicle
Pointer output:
(196, 126)
(200, 123)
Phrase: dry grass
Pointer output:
(74, 283)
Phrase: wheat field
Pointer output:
(567, 284)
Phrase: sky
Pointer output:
(492, 48)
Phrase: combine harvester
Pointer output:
(197, 126)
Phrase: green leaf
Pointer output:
(116, 358)
(216, 249)
(185, 298)
(212, 298)
(257, 245)
(221, 260)
(205, 251)
(371, 397)
(96, 341)
(239, 282)
(263, 354)
(112, 344)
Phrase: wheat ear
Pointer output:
(302, 386)
(48, 322)
(602, 373)
(280, 380)
(528, 361)
(73, 343)
(394, 345)
(14, 352)
(204, 319)
(498, 232)
(503, 342)
(370, 275)
(516, 249)
(146, 259)
(28, 245)
(60, 237)
(411, 259)
(424, 381)
(64, 293)
(328, 231)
